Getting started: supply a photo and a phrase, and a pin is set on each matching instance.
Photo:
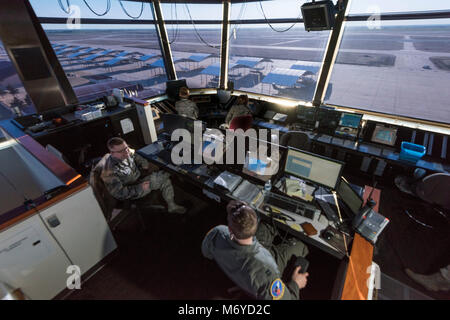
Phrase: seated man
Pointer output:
(254, 263)
(186, 107)
(239, 109)
(122, 175)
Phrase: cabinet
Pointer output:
(35, 253)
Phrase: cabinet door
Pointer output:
(30, 259)
(78, 224)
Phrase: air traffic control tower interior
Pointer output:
(344, 143)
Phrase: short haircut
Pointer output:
(115, 141)
(184, 92)
(243, 99)
(243, 222)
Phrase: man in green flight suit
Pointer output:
(244, 251)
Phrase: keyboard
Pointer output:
(291, 205)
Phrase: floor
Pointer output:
(165, 261)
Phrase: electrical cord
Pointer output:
(126, 12)
(267, 20)
(62, 7)
(108, 7)
(175, 32)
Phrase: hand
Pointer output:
(300, 278)
(145, 185)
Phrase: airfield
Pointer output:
(402, 71)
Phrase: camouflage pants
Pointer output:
(283, 252)
(159, 180)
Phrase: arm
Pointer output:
(121, 192)
(273, 288)
(141, 162)
(229, 115)
(207, 244)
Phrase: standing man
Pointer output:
(186, 107)
(123, 178)
(246, 254)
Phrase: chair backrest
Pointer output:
(296, 139)
(242, 122)
(434, 189)
(104, 198)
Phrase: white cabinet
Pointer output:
(30, 259)
(82, 230)
(35, 253)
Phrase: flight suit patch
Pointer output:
(277, 289)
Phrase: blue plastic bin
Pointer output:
(411, 152)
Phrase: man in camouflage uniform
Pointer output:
(122, 175)
(186, 107)
(253, 262)
(239, 109)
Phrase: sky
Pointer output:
(272, 9)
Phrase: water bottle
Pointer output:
(267, 187)
(302, 187)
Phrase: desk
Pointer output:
(207, 188)
(358, 269)
(364, 149)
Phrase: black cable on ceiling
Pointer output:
(196, 31)
(108, 7)
(267, 20)
(62, 7)
(126, 12)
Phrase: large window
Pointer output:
(279, 59)
(394, 67)
(14, 100)
(195, 47)
(105, 55)
(284, 64)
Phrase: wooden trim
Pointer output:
(22, 216)
(59, 168)
(355, 286)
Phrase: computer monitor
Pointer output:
(349, 196)
(280, 117)
(351, 120)
(176, 121)
(261, 169)
(384, 135)
(314, 168)
(269, 114)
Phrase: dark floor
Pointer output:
(165, 262)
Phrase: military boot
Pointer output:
(432, 282)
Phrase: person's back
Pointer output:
(186, 107)
(246, 261)
(247, 266)
(239, 109)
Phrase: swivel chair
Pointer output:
(432, 188)
(296, 139)
(109, 204)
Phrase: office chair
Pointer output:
(432, 188)
(296, 139)
(109, 204)
(242, 122)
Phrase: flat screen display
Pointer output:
(384, 135)
(314, 168)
